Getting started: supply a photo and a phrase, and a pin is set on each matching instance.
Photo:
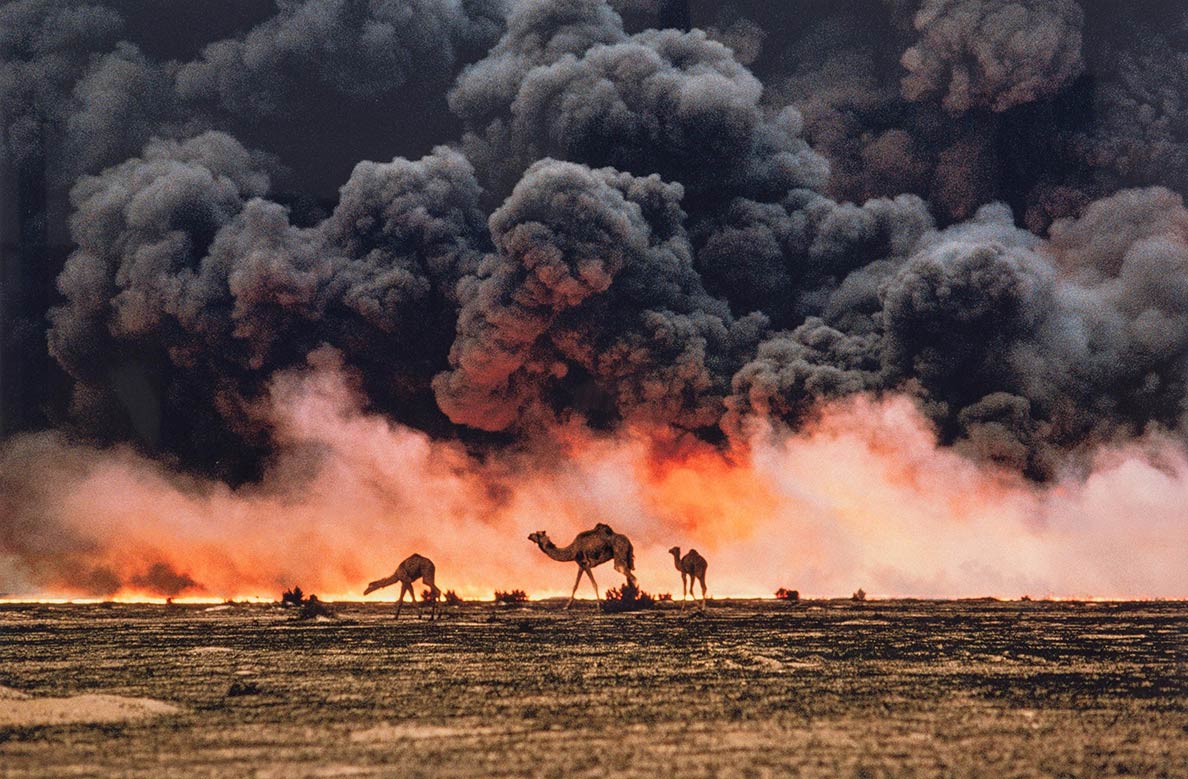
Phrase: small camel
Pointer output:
(589, 549)
(692, 567)
(414, 567)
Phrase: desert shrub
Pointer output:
(859, 595)
(452, 598)
(628, 598)
(314, 608)
(664, 596)
(512, 596)
(293, 597)
(784, 593)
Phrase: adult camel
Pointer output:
(414, 567)
(589, 549)
(692, 567)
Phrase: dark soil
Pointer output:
(747, 689)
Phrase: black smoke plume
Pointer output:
(509, 216)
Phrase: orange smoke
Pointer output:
(862, 497)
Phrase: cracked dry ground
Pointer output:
(751, 689)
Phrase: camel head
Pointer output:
(676, 550)
(540, 538)
(372, 588)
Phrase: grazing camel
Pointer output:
(692, 567)
(591, 548)
(414, 567)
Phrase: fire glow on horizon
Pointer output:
(860, 497)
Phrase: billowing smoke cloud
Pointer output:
(45, 47)
(358, 49)
(682, 242)
(785, 259)
(843, 75)
(567, 82)
(1017, 349)
(190, 289)
(592, 294)
(1127, 127)
(985, 54)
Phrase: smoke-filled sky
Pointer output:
(888, 294)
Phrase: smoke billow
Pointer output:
(340, 269)
(185, 274)
(977, 54)
(567, 82)
(356, 49)
(592, 295)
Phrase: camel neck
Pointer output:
(560, 554)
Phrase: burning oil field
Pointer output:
(870, 296)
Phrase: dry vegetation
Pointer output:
(812, 689)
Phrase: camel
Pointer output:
(692, 567)
(589, 549)
(414, 567)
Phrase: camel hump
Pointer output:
(417, 562)
(604, 529)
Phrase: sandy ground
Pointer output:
(762, 689)
(20, 710)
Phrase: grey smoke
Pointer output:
(987, 54)
(182, 263)
(664, 102)
(702, 229)
(591, 292)
(360, 49)
(1021, 351)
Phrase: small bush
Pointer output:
(293, 597)
(859, 595)
(452, 598)
(664, 596)
(314, 608)
(784, 593)
(628, 598)
(512, 596)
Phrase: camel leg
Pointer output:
(434, 592)
(576, 582)
(684, 589)
(702, 592)
(594, 584)
(400, 602)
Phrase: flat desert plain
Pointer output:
(748, 689)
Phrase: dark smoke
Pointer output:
(353, 48)
(189, 288)
(567, 82)
(592, 302)
(645, 212)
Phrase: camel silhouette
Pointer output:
(588, 549)
(414, 567)
(692, 567)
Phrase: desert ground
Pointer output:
(748, 689)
